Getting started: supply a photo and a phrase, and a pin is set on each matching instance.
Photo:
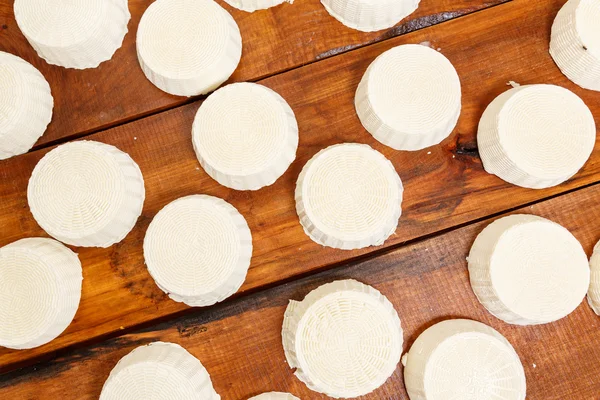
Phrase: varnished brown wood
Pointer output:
(445, 185)
(274, 40)
(240, 342)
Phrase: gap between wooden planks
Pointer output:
(239, 342)
(443, 189)
(274, 40)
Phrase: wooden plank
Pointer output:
(274, 40)
(443, 189)
(239, 342)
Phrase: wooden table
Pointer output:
(315, 63)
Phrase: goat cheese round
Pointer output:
(528, 270)
(188, 47)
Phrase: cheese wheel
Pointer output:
(198, 250)
(409, 98)
(40, 288)
(594, 289)
(25, 105)
(274, 396)
(463, 359)
(245, 136)
(253, 5)
(349, 196)
(370, 15)
(536, 136)
(159, 370)
(528, 270)
(86, 193)
(188, 47)
(575, 42)
(344, 339)
(73, 34)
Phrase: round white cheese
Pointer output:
(86, 193)
(409, 98)
(274, 396)
(344, 339)
(40, 288)
(536, 136)
(253, 5)
(73, 34)
(463, 359)
(245, 136)
(198, 250)
(25, 105)
(594, 290)
(528, 270)
(159, 371)
(370, 15)
(349, 196)
(188, 47)
(575, 42)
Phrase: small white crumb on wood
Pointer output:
(428, 152)
(453, 156)
(197, 168)
(534, 366)
(439, 49)
(513, 84)
(426, 43)
(135, 138)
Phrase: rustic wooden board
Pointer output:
(274, 40)
(445, 186)
(239, 342)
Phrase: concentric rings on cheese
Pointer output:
(198, 249)
(188, 47)
(159, 370)
(245, 136)
(25, 105)
(349, 196)
(344, 339)
(370, 15)
(86, 193)
(536, 136)
(73, 34)
(528, 270)
(409, 98)
(40, 289)
(463, 359)
(575, 42)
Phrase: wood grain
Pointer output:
(274, 40)
(239, 342)
(445, 185)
